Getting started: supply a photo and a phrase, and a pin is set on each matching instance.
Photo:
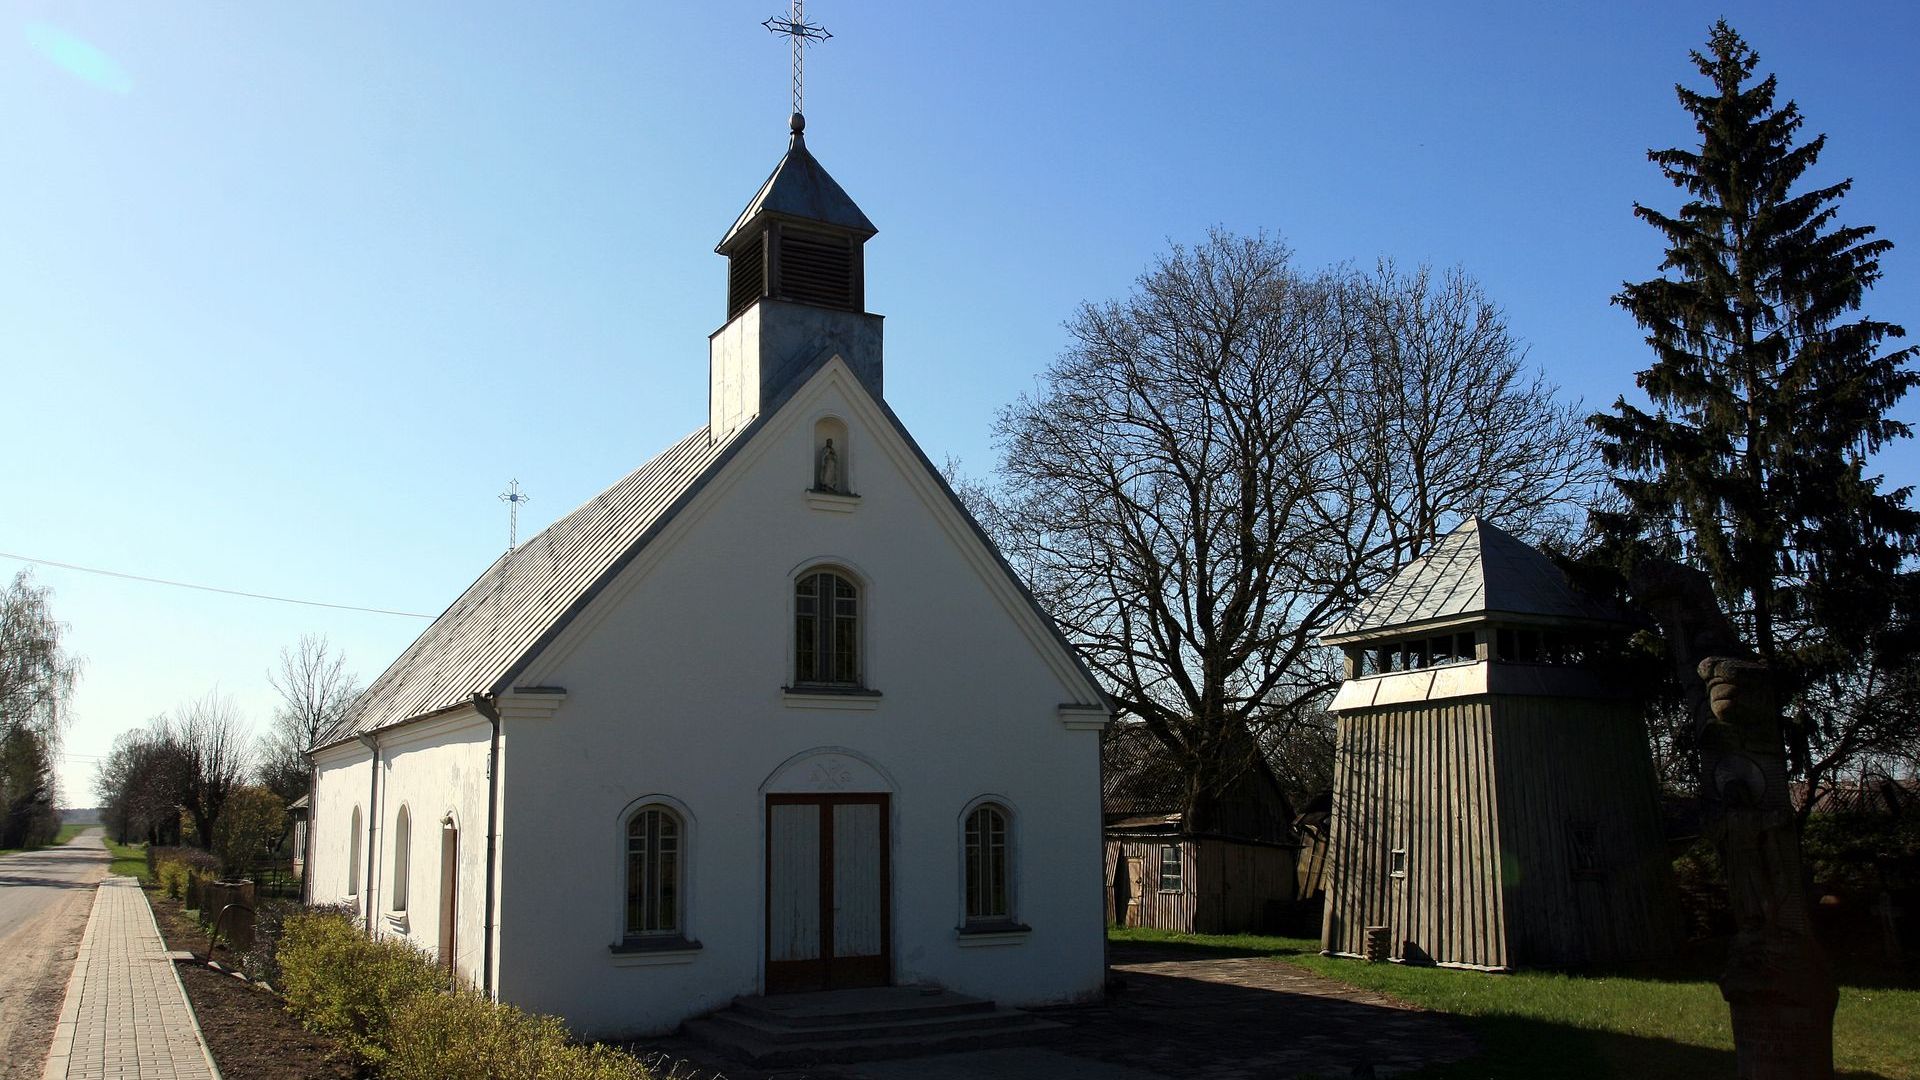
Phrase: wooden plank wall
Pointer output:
(1242, 888)
(1151, 907)
(1563, 762)
(1484, 795)
(1420, 779)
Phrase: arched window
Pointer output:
(353, 855)
(400, 860)
(826, 632)
(989, 895)
(653, 872)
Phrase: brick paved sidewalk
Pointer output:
(126, 1016)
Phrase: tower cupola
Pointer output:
(796, 289)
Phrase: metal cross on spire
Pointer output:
(513, 497)
(797, 27)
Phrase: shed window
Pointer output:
(653, 872)
(988, 897)
(1397, 862)
(826, 632)
(401, 856)
(1172, 870)
(1583, 848)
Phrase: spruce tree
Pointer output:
(1770, 389)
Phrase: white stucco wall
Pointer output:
(341, 785)
(673, 680)
(435, 768)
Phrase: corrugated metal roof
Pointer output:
(503, 615)
(1475, 569)
(800, 188)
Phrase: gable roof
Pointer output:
(481, 637)
(800, 188)
(502, 621)
(1477, 569)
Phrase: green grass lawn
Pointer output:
(128, 859)
(1633, 1027)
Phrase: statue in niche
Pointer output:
(827, 476)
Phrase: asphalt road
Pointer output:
(45, 897)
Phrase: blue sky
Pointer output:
(291, 292)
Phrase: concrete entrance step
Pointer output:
(834, 1007)
(861, 1025)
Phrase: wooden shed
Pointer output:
(1159, 874)
(1494, 802)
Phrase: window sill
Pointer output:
(829, 697)
(835, 501)
(995, 933)
(395, 921)
(647, 951)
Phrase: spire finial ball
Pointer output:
(798, 123)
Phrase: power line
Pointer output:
(209, 588)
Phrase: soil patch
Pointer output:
(250, 1033)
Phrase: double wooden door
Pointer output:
(829, 917)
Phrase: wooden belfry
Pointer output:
(1494, 804)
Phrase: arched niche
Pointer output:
(826, 770)
(832, 465)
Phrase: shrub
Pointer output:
(341, 983)
(190, 857)
(463, 1036)
(250, 825)
(173, 878)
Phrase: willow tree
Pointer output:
(1770, 391)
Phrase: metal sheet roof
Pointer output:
(1477, 569)
(800, 188)
(503, 615)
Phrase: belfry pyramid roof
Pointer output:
(1475, 570)
(800, 188)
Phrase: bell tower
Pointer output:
(796, 291)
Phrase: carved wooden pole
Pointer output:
(1777, 983)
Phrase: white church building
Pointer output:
(770, 714)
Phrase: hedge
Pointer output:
(342, 983)
(463, 1036)
(391, 1006)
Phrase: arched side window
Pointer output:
(353, 855)
(989, 890)
(826, 632)
(653, 872)
(401, 821)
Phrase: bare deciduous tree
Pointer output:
(138, 785)
(315, 690)
(1225, 460)
(214, 756)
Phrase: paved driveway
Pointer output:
(1230, 1018)
(1177, 1016)
(45, 896)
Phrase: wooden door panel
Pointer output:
(793, 888)
(828, 906)
(449, 895)
(856, 880)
